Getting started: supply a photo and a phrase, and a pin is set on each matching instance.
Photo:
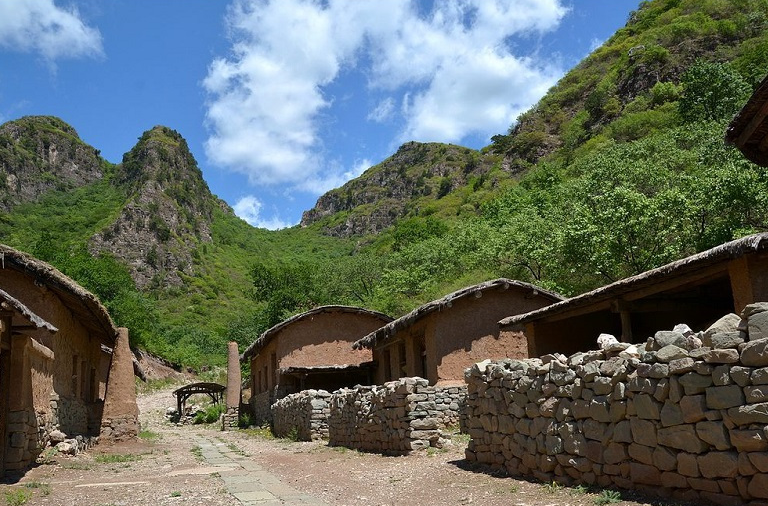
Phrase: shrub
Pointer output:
(210, 414)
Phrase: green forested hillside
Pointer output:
(621, 167)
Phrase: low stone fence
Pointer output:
(306, 413)
(396, 418)
(684, 415)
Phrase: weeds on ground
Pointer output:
(114, 458)
(48, 456)
(77, 466)
(44, 488)
(175, 494)
(245, 421)
(608, 497)
(149, 435)
(197, 452)
(580, 489)
(432, 451)
(552, 487)
(264, 432)
(513, 489)
(17, 497)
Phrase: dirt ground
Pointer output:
(165, 467)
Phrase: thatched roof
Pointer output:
(267, 336)
(691, 264)
(28, 317)
(749, 129)
(446, 302)
(84, 306)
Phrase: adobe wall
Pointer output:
(306, 413)
(396, 418)
(31, 416)
(682, 416)
(325, 339)
(468, 332)
(75, 353)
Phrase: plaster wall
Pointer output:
(325, 339)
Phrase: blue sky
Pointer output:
(283, 100)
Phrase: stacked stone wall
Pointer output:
(304, 414)
(396, 418)
(684, 415)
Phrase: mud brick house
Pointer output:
(749, 129)
(53, 375)
(312, 350)
(718, 281)
(438, 340)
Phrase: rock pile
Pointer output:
(396, 418)
(683, 415)
(304, 414)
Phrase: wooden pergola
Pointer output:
(213, 390)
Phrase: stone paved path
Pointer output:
(247, 481)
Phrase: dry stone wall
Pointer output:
(304, 414)
(684, 415)
(396, 418)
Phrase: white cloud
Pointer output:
(42, 27)
(250, 208)
(451, 68)
(383, 111)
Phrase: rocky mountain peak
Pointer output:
(167, 214)
(41, 153)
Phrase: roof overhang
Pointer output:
(701, 264)
(749, 129)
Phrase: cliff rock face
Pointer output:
(415, 175)
(41, 153)
(167, 214)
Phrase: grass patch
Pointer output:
(149, 435)
(44, 488)
(264, 432)
(197, 452)
(608, 497)
(17, 497)
(552, 487)
(114, 458)
(210, 414)
(175, 494)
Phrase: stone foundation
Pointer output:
(396, 418)
(305, 414)
(230, 419)
(683, 416)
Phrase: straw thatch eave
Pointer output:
(724, 252)
(749, 129)
(84, 306)
(268, 335)
(12, 304)
(446, 302)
